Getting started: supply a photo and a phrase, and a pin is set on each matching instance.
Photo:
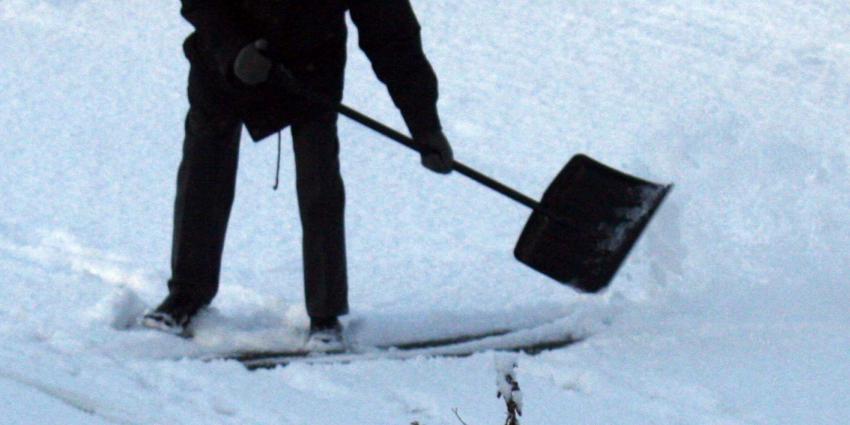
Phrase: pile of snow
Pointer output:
(731, 310)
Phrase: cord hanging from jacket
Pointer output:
(277, 168)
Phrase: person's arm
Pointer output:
(219, 29)
(389, 35)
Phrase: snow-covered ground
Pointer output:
(732, 310)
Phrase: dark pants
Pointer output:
(205, 189)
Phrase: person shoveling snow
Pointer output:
(269, 65)
(231, 54)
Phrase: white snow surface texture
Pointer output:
(733, 309)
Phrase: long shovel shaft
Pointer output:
(289, 82)
(457, 166)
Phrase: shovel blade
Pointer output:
(599, 214)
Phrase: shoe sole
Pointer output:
(160, 323)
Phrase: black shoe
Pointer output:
(325, 335)
(173, 314)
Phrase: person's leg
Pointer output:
(206, 183)
(321, 201)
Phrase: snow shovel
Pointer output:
(580, 233)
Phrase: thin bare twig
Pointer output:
(458, 416)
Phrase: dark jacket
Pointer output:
(309, 38)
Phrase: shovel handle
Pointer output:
(291, 84)
(456, 165)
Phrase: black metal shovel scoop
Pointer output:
(590, 218)
(588, 221)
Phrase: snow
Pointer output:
(731, 310)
